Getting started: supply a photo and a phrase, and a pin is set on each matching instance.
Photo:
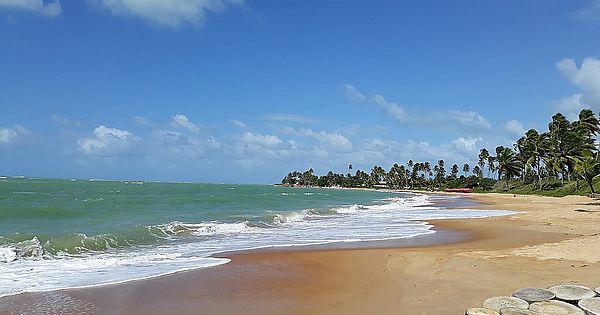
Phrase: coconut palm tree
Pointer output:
(537, 146)
(483, 156)
(587, 168)
(589, 121)
(427, 169)
(454, 171)
(508, 163)
(440, 172)
(491, 162)
(477, 171)
(466, 169)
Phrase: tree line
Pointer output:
(566, 151)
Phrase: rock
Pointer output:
(498, 302)
(517, 311)
(533, 294)
(555, 308)
(480, 311)
(598, 290)
(571, 292)
(590, 305)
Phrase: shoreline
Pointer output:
(417, 280)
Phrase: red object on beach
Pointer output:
(460, 190)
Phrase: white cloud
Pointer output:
(588, 13)
(10, 134)
(469, 119)
(171, 13)
(466, 119)
(7, 135)
(238, 123)
(65, 121)
(48, 8)
(395, 110)
(253, 149)
(570, 106)
(108, 141)
(392, 108)
(289, 118)
(586, 77)
(265, 140)
(470, 144)
(172, 144)
(330, 141)
(571, 103)
(514, 129)
(181, 121)
(352, 93)
(141, 120)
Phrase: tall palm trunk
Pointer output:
(539, 174)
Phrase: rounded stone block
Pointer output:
(533, 294)
(517, 311)
(498, 302)
(590, 305)
(571, 292)
(480, 311)
(555, 307)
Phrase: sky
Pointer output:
(244, 91)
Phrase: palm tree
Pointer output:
(559, 134)
(537, 146)
(477, 171)
(378, 174)
(466, 169)
(508, 163)
(440, 172)
(427, 169)
(454, 171)
(483, 156)
(491, 162)
(589, 121)
(587, 167)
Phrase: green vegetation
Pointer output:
(561, 161)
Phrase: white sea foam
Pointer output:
(8, 254)
(350, 209)
(189, 245)
(209, 228)
(296, 216)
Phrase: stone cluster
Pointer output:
(566, 299)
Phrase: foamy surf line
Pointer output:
(193, 245)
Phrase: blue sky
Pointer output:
(245, 91)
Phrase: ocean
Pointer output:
(66, 233)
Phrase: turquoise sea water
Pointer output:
(58, 233)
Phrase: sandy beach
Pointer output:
(550, 241)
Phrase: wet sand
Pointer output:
(547, 244)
